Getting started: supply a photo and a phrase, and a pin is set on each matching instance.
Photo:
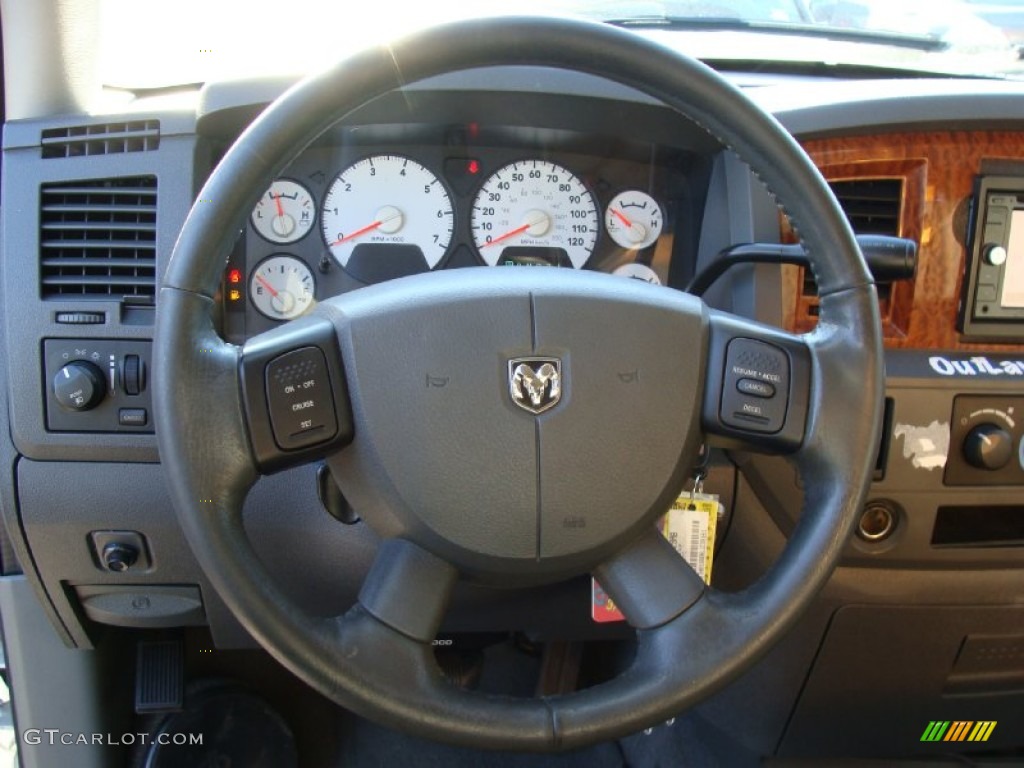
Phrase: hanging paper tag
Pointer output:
(690, 528)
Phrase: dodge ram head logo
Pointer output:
(535, 383)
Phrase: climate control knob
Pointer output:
(79, 386)
(988, 446)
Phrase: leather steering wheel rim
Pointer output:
(368, 664)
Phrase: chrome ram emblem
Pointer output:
(535, 383)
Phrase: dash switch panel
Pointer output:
(986, 441)
(97, 385)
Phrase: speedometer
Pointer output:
(387, 215)
(534, 212)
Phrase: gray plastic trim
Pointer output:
(866, 106)
(28, 320)
(52, 686)
(50, 59)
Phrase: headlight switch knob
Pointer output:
(79, 386)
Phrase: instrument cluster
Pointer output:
(347, 214)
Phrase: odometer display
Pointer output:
(534, 204)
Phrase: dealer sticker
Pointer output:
(690, 528)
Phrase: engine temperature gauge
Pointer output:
(285, 213)
(282, 287)
(633, 219)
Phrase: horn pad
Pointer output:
(525, 428)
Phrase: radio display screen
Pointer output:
(1013, 270)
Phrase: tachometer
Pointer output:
(534, 212)
(387, 208)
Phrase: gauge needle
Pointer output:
(507, 235)
(635, 230)
(358, 232)
(622, 217)
(283, 225)
(388, 215)
(267, 285)
(537, 224)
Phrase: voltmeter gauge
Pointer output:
(285, 213)
(633, 219)
(282, 287)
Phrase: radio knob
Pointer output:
(995, 255)
(988, 446)
(79, 386)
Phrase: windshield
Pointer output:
(151, 45)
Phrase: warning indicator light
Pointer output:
(234, 276)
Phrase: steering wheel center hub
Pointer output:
(523, 424)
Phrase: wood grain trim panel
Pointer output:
(938, 169)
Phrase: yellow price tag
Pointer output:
(690, 528)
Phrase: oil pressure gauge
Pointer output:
(633, 219)
(285, 213)
(282, 287)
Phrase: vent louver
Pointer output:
(101, 139)
(98, 239)
(871, 205)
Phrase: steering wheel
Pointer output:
(429, 399)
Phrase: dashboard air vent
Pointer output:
(98, 239)
(101, 139)
(871, 205)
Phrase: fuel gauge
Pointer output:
(282, 287)
(285, 213)
(633, 219)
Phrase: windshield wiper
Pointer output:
(725, 23)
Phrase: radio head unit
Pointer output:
(992, 301)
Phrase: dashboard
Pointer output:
(524, 168)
